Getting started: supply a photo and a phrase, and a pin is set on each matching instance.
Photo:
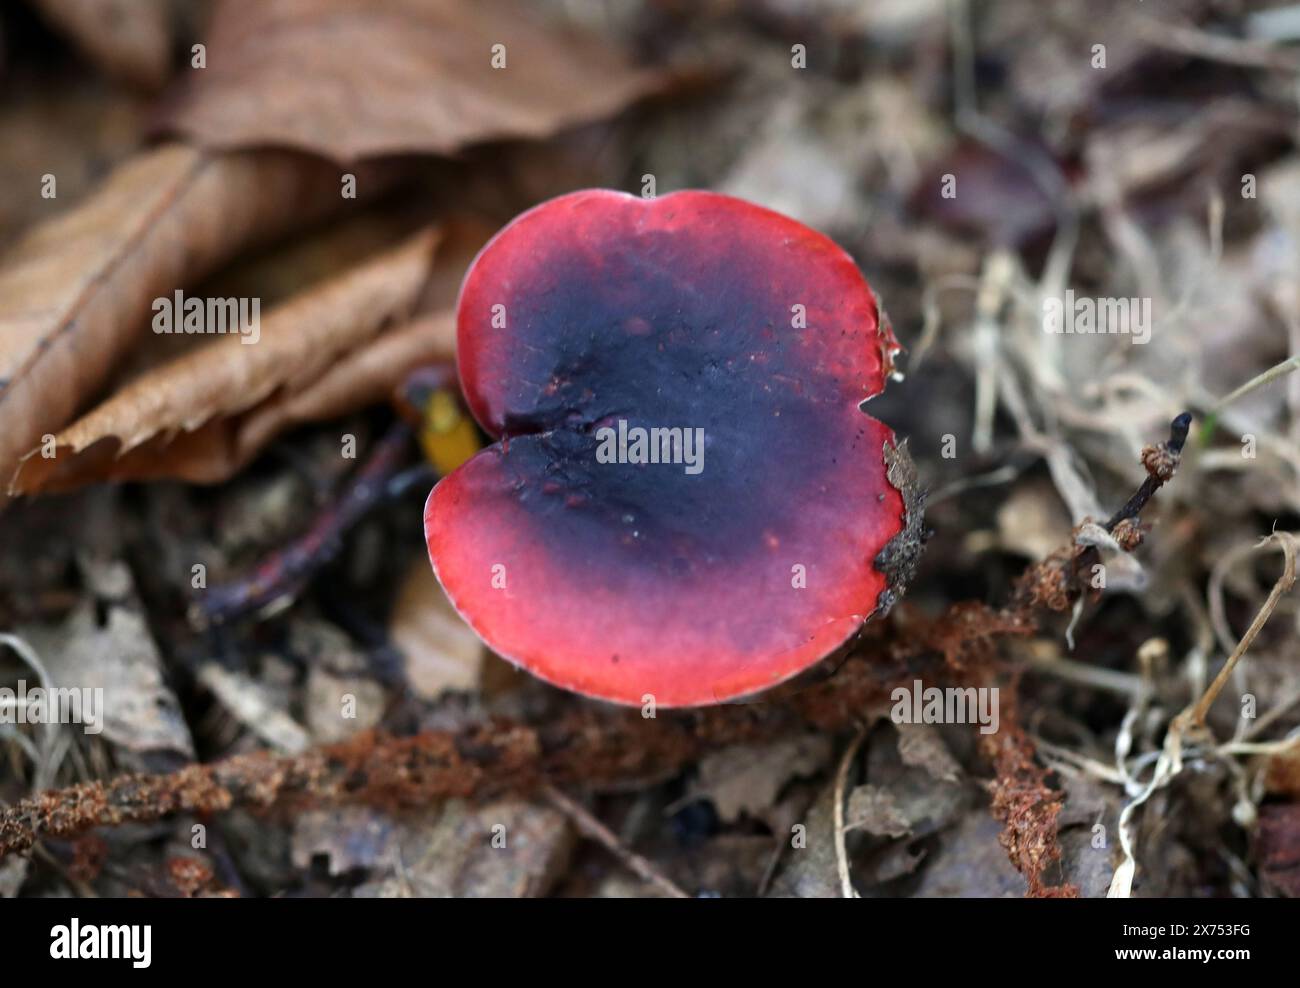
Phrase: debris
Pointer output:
(499, 70)
(746, 779)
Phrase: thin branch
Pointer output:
(283, 574)
(1195, 715)
(1161, 463)
(597, 831)
(841, 782)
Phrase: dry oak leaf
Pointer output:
(366, 376)
(182, 419)
(76, 291)
(351, 80)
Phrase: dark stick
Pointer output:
(287, 570)
(1161, 462)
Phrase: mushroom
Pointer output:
(685, 503)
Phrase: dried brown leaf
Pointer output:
(182, 419)
(75, 292)
(350, 81)
(363, 377)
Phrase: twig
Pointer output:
(285, 572)
(995, 281)
(1195, 715)
(1276, 372)
(380, 478)
(597, 831)
(1188, 40)
(1161, 463)
(1055, 581)
(1112, 680)
(1064, 759)
(932, 318)
(1216, 605)
(1168, 765)
(841, 843)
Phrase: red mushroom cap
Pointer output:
(598, 314)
